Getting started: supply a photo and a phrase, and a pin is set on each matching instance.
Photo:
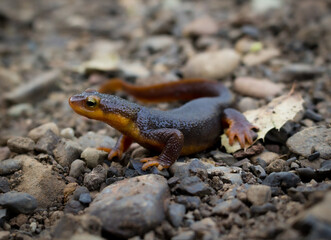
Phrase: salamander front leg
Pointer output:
(238, 127)
(123, 143)
(172, 140)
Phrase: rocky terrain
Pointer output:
(55, 184)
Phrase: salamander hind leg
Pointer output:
(172, 140)
(238, 127)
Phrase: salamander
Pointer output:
(191, 128)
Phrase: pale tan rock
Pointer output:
(212, 65)
(259, 88)
(262, 56)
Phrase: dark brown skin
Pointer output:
(189, 129)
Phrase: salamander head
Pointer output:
(111, 109)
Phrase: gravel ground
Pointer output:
(55, 184)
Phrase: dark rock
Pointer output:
(66, 152)
(258, 171)
(40, 131)
(190, 202)
(113, 172)
(73, 207)
(250, 31)
(164, 172)
(173, 181)
(227, 174)
(20, 144)
(136, 205)
(259, 210)
(4, 153)
(314, 156)
(195, 166)
(18, 202)
(85, 198)
(10, 166)
(224, 157)
(313, 116)
(194, 186)
(317, 138)
(77, 168)
(130, 173)
(79, 191)
(95, 140)
(94, 179)
(283, 180)
(47, 143)
(180, 170)
(4, 185)
(34, 89)
(176, 213)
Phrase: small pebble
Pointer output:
(314, 156)
(93, 157)
(252, 59)
(23, 109)
(66, 152)
(38, 132)
(10, 166)
(77, 167)
(85, 198)
(67, 133)
(79, 191)
(73, 207)
(313, 116)
(4, 153)
(47, 142)
(277, 165)
(94, 179)
(20, 144)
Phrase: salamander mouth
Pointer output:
(76, 101)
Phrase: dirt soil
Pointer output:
(55, 184)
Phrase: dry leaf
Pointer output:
(274, 115)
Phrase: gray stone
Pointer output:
(227, 174)
(94, 140)
(79, 191)
(186, 235)
(18, 202)
(158, 43)
(259, 194)
(176, 213)
(10, 166)
(34, 89)
(93, 156)
(85, 198)
(40, 131)
(94, 179)
(47, 142)
(258, 210)
(194, 186)
(20, 144)
(73, 207)
(66, 152)
(247, 103)
(136, 205)
(313, 138)
(299, 72)
(77, 167)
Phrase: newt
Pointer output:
(191, 128)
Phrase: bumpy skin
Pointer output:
(189, 129)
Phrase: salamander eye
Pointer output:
(91, 102)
